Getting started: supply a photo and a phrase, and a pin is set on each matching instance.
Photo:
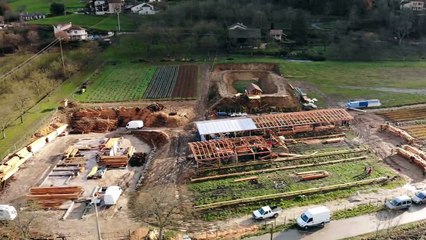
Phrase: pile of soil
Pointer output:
(153, 138)
(107, 119)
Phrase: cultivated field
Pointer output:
(186, 84)
(162, 83)
(408, 114)
(276, 181)
(44, 5)
(417, 131)
(121, 82)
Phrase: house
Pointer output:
(143, 9)
(417, 5)
(253, 89)
(70, 32)
(31, 16)
(277, 34)
(241, 35)
(101, 7)
(154, 1)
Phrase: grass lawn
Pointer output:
(119, 82)
(106, 23)
(44, 5)
(241, 85)
(390, 82)
(19, 134)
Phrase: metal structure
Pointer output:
(215, 153)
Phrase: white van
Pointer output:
(136, 124)
(7, 213)
(314, 217)
(112, 194)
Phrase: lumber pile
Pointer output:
(113, 161)
(398, 132)
(312, 175)
(412, 157)
(54, 197)
(415, 150)
(71, 152)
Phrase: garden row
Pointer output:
(120, 82)
(408, 114)
(173, 82)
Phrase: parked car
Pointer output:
(136, 124)
(266, 212)
(314, 217)
(398, 203)
(419, 197)
(7, 213)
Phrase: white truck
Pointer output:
(266, 212)
(314, 217)
(112, 194)
(7, 213)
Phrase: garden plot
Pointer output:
(116, 83)
(275, 183)
(418, 131)
(407, 114)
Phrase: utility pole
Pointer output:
(118, 20)
(98, 227)
(62, 58)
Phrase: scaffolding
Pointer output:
(216, 153)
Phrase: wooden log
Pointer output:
(246, 179)
(290, 194)
(201, 179)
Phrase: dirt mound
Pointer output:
(248, 66)
(153, 138)
(106, 119)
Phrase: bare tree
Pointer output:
(160, 206)
(21, 104)
(33, 36)
(5, 118)
(402, 24)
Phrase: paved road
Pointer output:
(351, 227)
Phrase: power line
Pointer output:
(13, 70)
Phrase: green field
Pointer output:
(106, 23)
(226, 189)
(394, 82)
(43, 5)
(119, 82)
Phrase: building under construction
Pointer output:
(216, 153)
(281, 124)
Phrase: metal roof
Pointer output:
(225, 125)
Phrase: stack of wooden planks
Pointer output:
(71, 152)
(414, 155)
(54, 197)
(114, 161)
(312, 175)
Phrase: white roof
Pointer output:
(225, 125)
(318, 210)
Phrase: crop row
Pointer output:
(417, 131)
(186, 85)
(408, 114)
(162, 83)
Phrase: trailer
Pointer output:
(363, 103)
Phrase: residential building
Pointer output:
(101, 7)
(277, 34)
(416, 5)
(242, 36)
(70, 32)
(31, 16)
(143, 9)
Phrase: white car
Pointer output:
(419, 197)
(399, 203)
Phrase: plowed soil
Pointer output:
(186, 84)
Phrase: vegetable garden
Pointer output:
(417, 131)
(277, 182)
(407, 114)
(132, 81)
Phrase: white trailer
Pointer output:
(112, 194)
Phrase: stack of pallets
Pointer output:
(114, 161)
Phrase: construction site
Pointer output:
(274, 152)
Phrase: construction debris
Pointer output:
(54, 197)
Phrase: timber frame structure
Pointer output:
(216, 153)
(306, 121)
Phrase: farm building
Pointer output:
(215, 153)
(281, 124)
(253, 89)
